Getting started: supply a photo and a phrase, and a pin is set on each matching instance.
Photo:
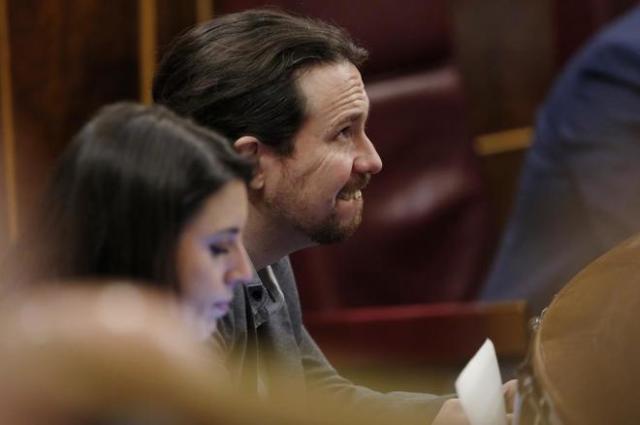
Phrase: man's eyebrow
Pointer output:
(349, 118)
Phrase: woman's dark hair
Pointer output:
(122, 192)
(237, 73)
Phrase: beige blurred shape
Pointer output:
(101, 351)
(116, 353)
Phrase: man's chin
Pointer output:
(333, 232)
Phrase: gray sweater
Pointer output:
(266, 318)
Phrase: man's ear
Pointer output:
(252, 149)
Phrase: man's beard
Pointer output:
(328, 230)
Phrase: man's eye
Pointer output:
(218, 250)
(345, 132)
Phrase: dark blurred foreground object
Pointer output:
(583, 366)
(578, 194)
(120, 354)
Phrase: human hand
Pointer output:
(509, 390)
(452, 412)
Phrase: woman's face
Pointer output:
(211, 258)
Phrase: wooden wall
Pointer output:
(509, 52)
(505, 50)
(62, 60)
(6, 133)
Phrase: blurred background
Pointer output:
(454, 87)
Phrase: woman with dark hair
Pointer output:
(146, 195)
(140, 195)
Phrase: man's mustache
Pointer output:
(358, 182)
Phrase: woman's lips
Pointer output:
(221, 308)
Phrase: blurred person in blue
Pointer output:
(578, 193)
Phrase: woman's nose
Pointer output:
(241, 270)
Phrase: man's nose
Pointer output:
(368, 161)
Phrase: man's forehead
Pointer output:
(333, 85)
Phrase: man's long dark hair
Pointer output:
(123, 190)
(237, 73)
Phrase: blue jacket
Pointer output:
(579, 192)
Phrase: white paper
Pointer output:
(479, 388)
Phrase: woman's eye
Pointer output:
(218, 250)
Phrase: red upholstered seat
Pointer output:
(444, 333)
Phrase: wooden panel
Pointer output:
(4, 223)
(503, 141)
(69, 58)
(502, 156)
(204, 10)
(502, 177)
(173, 17)
(147, 38)
(7, 177)
(505, 51)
